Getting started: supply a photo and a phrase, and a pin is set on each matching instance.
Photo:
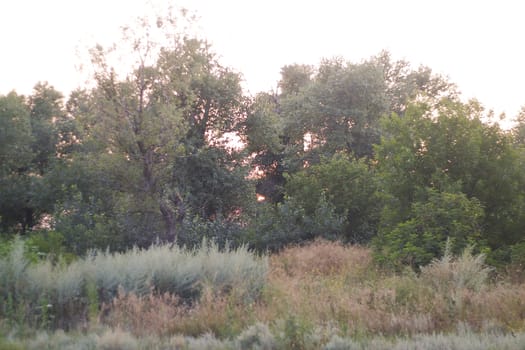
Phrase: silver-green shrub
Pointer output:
(338, 343)
(449, 274)
(60, 296)
(256, 337)
(117, 339)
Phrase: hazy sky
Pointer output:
(478, 44)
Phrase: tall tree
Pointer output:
(47, 114)
(157, 134)
(450, 150)
(404, 85)
(33, 129)
(15, 162)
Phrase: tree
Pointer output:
(444, 218)
(330, 109)
(47, 115)
(16, 156)
(341, 108)
(404, 85)
(268, 144)
(348, 186)
(318, 113)
(450, 150)
(155, 136)
(32, 133)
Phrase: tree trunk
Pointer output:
(168, 215)
(173, 212)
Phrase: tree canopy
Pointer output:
(374, 152)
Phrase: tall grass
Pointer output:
(327, 283)
(61, 295)
(450, 274)
(259, 337)
(322, 295)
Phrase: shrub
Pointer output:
(423, 235)
(206, 342)
(44, 294)
(221, 231)
(338, 343)
(256, 337)
(449, 274)
(117, 340)
(517, 255)
(277, 226)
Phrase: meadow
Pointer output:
(323, 295)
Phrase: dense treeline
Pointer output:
(375, 152)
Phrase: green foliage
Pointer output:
(295, 333)
(48, 245)
(152, 148)
(349, 186)
(445, 217)
(33, 143)
(517, 254)
(15, 133)
(15, 161)
(282, 224)
(343, 107)
(211, 183)
(223, 232)
(338, 343)
(432, 161)
(404, 85)
(10, 345)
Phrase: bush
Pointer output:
(338, 343)
(117, 340)
(44, 294)
(422, 237)
(450, 274)
(276, 226)
(517, 255)
(256, 337)
(223, 232)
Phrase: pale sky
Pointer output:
(479, 45)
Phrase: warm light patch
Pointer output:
(260, 198)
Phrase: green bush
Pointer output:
(422, 237)
(221, 231)
(276, 226)
(517, 254)
(348, 187)
(49, 245)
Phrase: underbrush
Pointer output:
(326, 283)
(321, 296)
(259, 337)
(47, 295)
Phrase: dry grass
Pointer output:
(320, 258)
(222, 314)
(143, 315)
(326, 284)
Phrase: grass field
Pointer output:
(320, 296)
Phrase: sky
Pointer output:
(477, 44)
